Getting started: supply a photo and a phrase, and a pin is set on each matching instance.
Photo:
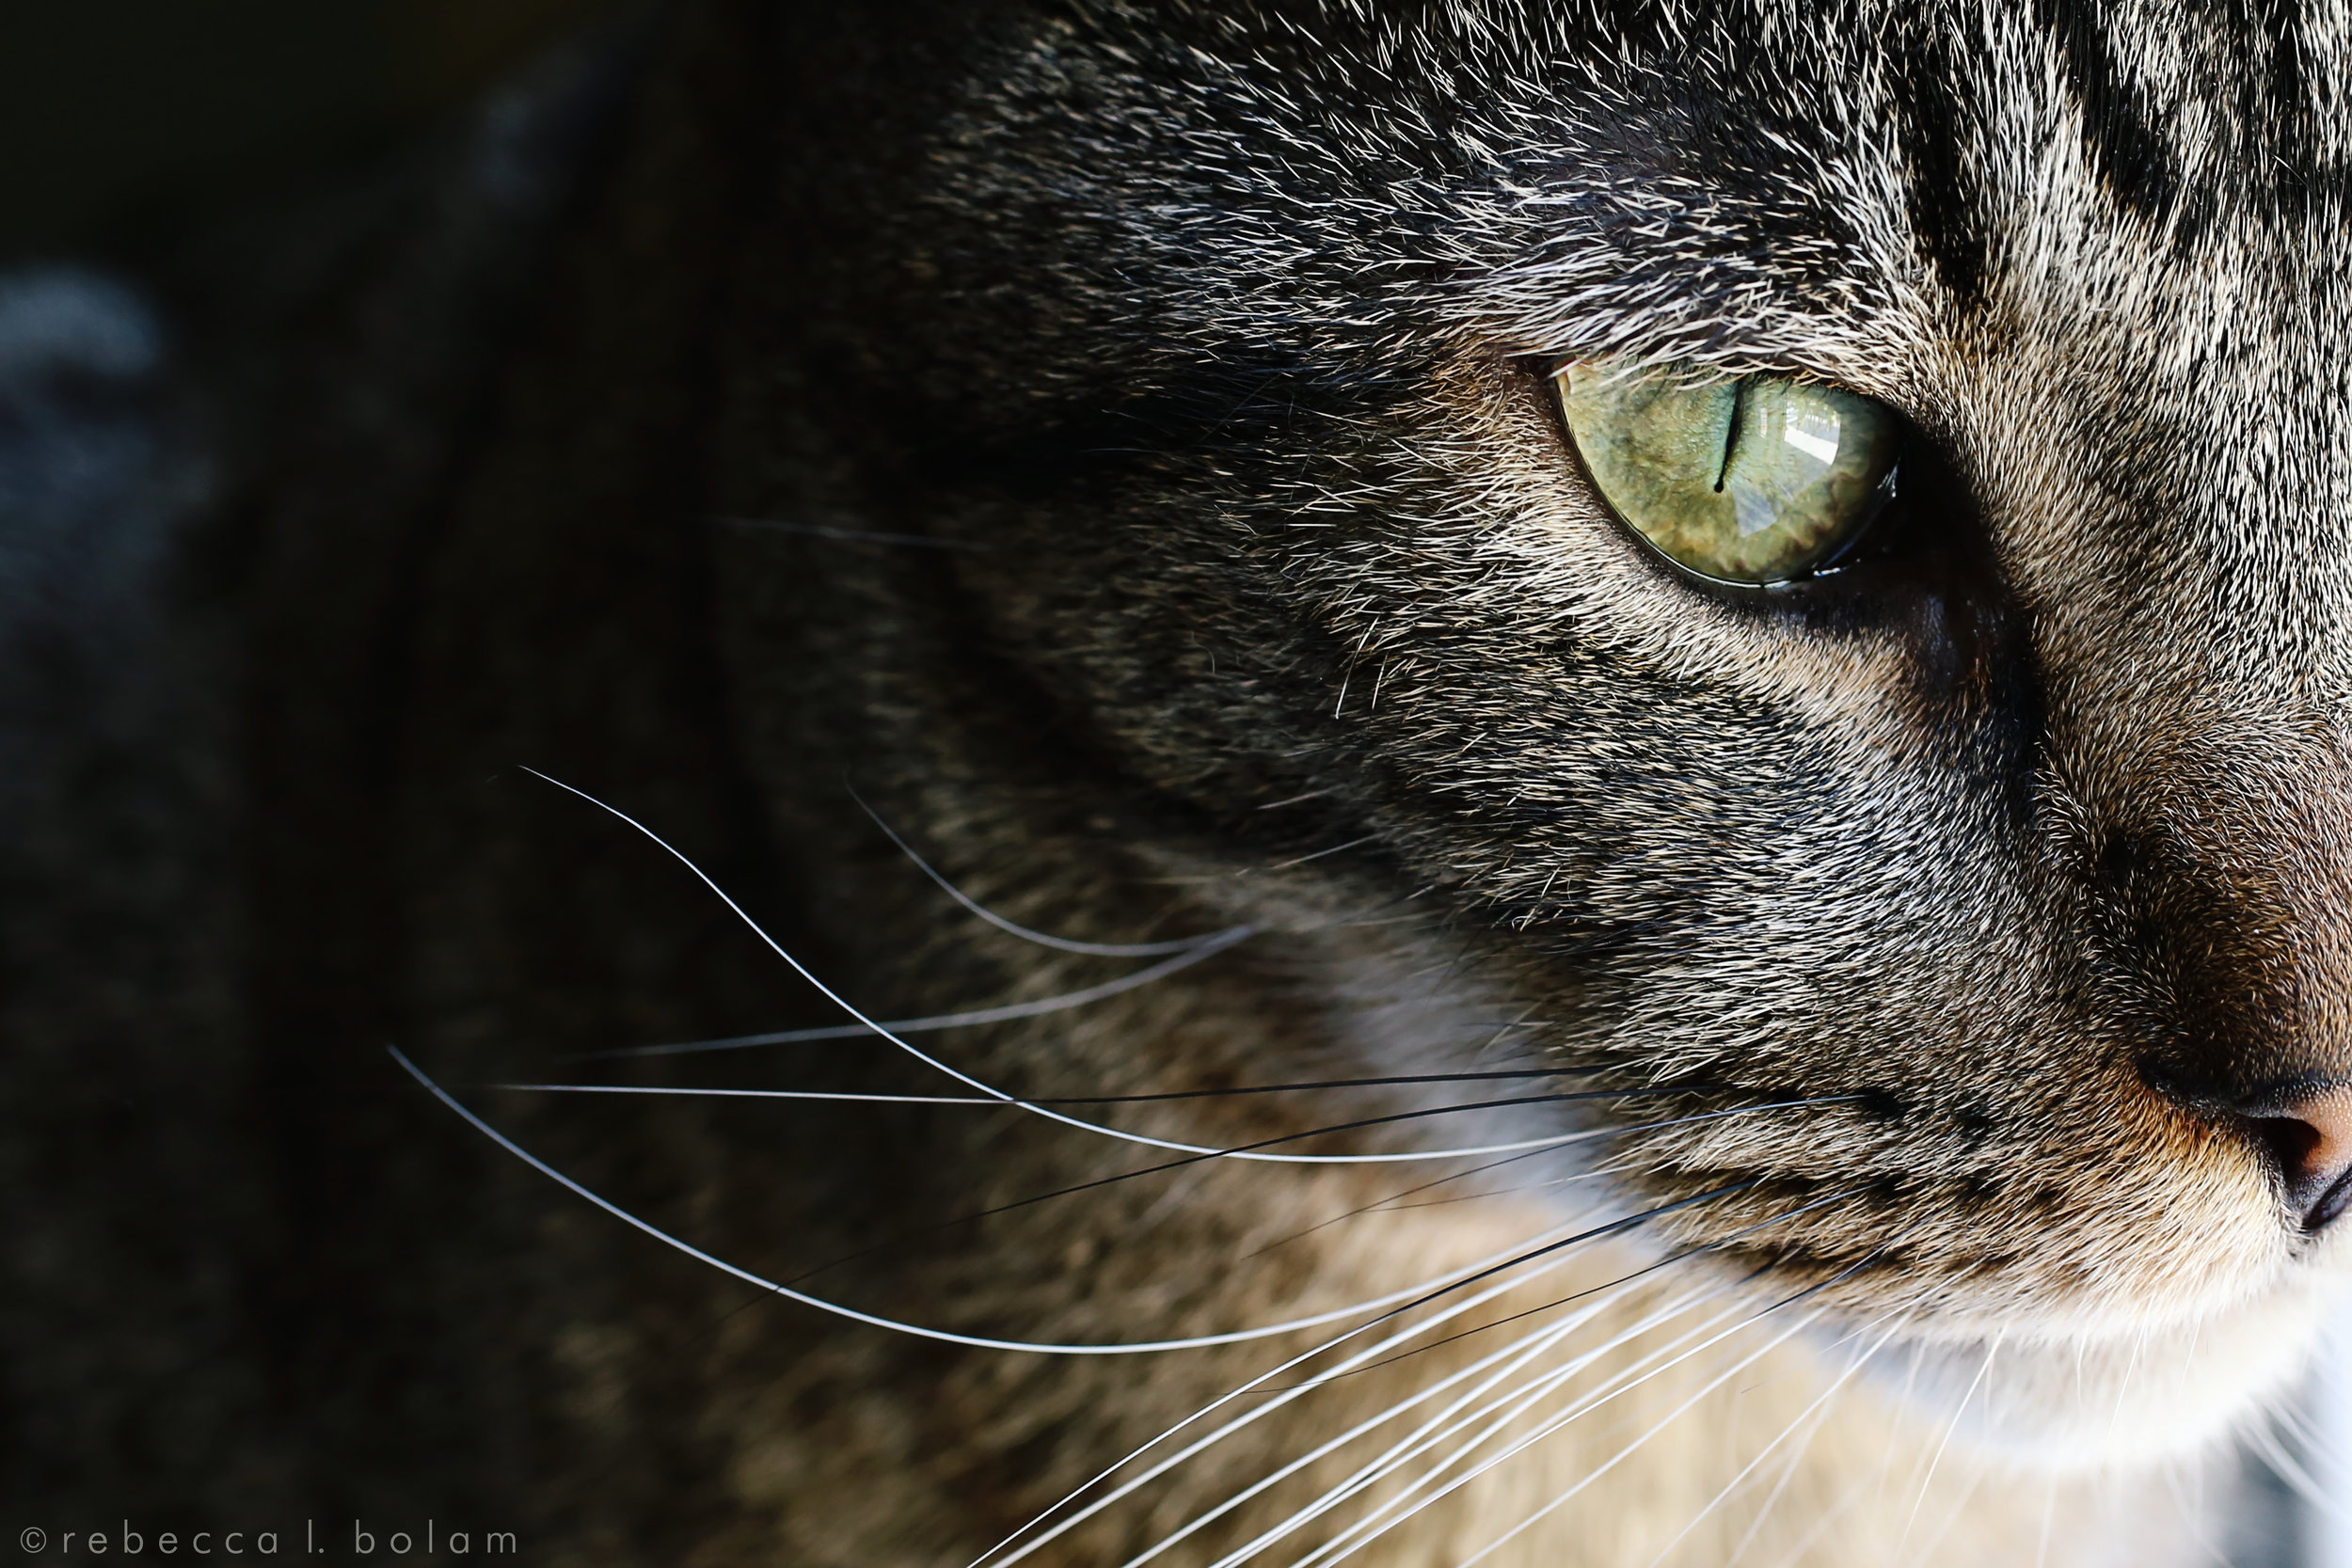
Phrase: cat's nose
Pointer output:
(2308, 1132)
(2221, 918)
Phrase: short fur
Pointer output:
(1111, 440)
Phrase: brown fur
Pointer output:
(1202, 344)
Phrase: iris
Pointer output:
(1754, 480)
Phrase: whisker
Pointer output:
(1240, 1154)
(1518, 1354)
(975, 1216)
(1950, 1430)
(1789, 1471)
(849, 535)
(1829, 1516)
(1051, 1115)
(1097, 949)
(838, 1000)
(1558, 1253)
(1819, 1403)
(2265, 1441)
(1959, 1510)
(1195, 1153)
(1622, 1454)
(1715, 1245)
(1211, 1439)
(1451, 1421)
(656, 1089)
(1529, 1344)
(1319, 854)
(1497, 1417)
(1295, 799)
(1192, 952)
(2049, 1517)
(1555, 1424)
(1424, 1291)
(1129, 1099)
(1401, 1208)
(1396, 1197)
(1772, 1500)
(1471, 1389)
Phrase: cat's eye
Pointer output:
(1762, 479)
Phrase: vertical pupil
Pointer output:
(1731, 431)
(1751, 478)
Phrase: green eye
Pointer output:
(1754, 480)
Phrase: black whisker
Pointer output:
(1656, 1092)
(1383, 1202)
(1398, 1079)
(1293, 1137)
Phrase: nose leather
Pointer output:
(2310, 1134)
(2225, 900)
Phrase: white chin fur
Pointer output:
(2088, 1402)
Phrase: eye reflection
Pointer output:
(1757, 481)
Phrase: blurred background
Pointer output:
(115, 114)
(120, 116)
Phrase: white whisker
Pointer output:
(1558, 1140)
(1593, 1400)
(1244, 1151)
(2049, 1517)
(1659, 1359)
(1237, 1336)
(1772, 1500)
(1231, 1427)
(1193, 952)
(1789, 1471)
(1098, 949)
(1830, 1516)
(2271, 1452)
(1393, 1197)
(1626, 1452)
(1497, 1415)
(1558, 1252)
(1836, 1386)
(1517, 1353)
(755, 1094)
(1950, 1429)
(1959, 1510)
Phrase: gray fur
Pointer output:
(1961, 894)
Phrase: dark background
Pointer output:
(119, 111)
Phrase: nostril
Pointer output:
(2310, 1134)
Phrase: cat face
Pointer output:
(2011, 861)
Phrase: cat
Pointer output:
(1626, 720)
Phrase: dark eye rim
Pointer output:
(1867, 540)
